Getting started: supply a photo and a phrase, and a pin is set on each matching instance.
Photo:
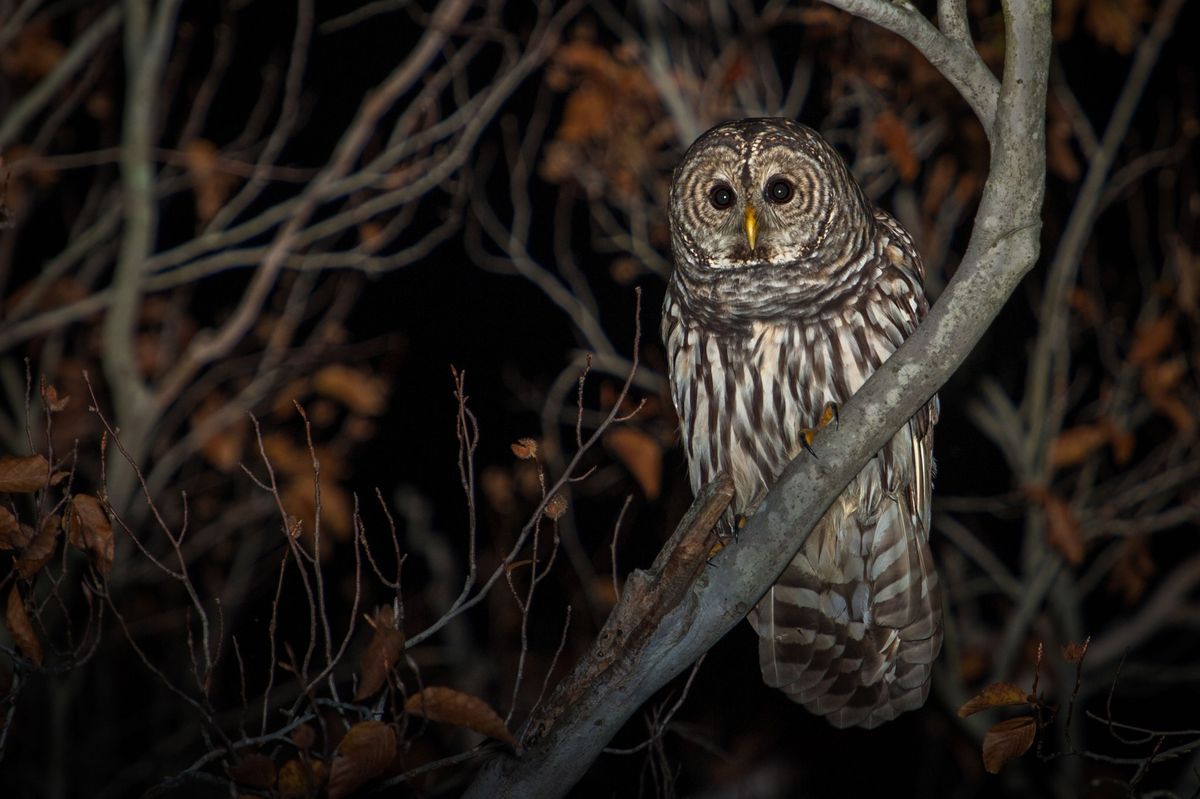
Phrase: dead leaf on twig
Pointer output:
(364, 752)
(296, 780)
(13, 534)
(40, 549)
(53, 401)
(525, 448)
(88, 529)
(22, 475)
(556, 506)
(1075, 653)
(1007, 740)
(998, 694)
(381, 655)
(254, 770)
(461, 710)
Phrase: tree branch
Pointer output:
(951, 53)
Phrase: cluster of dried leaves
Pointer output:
(80, 519)
(367, 752)
(1007, 740)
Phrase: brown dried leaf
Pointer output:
(1152, 339)
(22, 475)
(893, 134)
(296, 781)
(210, 183)
(223, 448)
(13, 534)
(381, 655)
(642, 456)
(1063, 531)
(998, 694)
(20, 628)
(366, 750)
(33, 55)
(304, 737)
(1074, 445)
(1120, 440)
(1007, 740)
(525, 448)
(1116, 23)
(88, 529)
(1074, 653)
(588, 113)
(461, 710)
(1159, 383)
(1131, 575)
(254, 770)
(556, 506)
(40, 549)
(54, 403)
(359, 391)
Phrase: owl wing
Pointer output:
(851, 632)
(851, 628)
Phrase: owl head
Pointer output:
(763, 192)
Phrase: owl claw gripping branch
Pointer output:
(789, 289)
(828, 414)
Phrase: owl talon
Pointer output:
(830, 413)
(723, 539)
(806, 437)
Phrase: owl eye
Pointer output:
(721, 197)
(779, 191)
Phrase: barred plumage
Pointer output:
(762, 330)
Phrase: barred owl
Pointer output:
(789, 289)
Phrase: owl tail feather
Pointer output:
(857, 650)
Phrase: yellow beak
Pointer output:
(751, 226)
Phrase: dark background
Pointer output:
(732, 736)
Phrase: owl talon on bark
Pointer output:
(723, 539)
(828, 414)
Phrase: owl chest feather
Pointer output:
(745, 398)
